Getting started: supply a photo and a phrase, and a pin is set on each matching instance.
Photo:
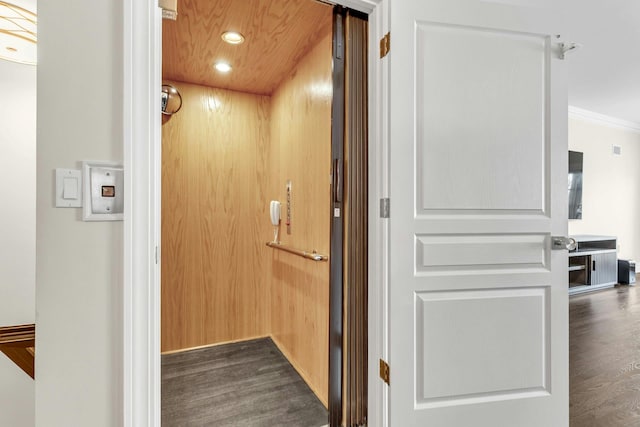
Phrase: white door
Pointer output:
(478, 131)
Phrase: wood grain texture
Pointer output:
(301, 135)
(19, 335)
(355, 224)
(242, 384)
(17, 343)
(604, 361)
(215, 181)
(23, 357)
(278, 33)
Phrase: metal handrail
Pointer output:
(314, 256)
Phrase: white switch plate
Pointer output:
(68, 188)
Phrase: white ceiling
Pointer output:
(604, 75)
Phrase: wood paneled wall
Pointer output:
(225, 156)
(215, 181)
(301, 136)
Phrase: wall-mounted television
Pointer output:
(575, 185)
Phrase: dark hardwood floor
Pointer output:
(248, 384)
(604, 358)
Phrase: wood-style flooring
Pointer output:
(252, 384)
(248, 384)
(604, 358)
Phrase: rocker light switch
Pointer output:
(68, 188)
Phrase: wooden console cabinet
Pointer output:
(593, 264)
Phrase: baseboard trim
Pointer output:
(182, 350)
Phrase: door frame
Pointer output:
(140, 309)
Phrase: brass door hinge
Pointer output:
(385, 45)
(384, 371)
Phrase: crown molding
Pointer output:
(601, 119)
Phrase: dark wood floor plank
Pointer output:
(242, 384)
(604, 352)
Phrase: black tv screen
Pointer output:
(575, 185)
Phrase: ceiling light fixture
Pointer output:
(18, 34)
(223, 67)
(232, 37)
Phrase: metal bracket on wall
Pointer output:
(566, 48)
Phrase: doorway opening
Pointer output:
(252, 300)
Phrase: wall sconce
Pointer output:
(18, 34)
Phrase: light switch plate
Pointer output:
(68, 188)
(103, 191)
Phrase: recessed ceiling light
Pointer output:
(232, 37)
(223, 67)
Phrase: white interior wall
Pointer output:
(611, 184)
(78, 264)
(17, 229)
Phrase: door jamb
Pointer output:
(142, 54)
(379, 176)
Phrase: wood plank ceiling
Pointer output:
(278, 33)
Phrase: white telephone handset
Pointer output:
(275, 213)
(275, 218)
